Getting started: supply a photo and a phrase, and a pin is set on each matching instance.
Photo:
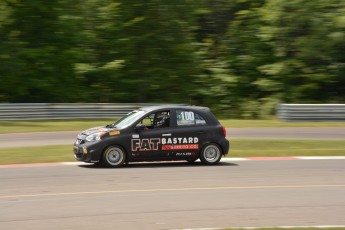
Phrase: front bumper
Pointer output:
(88, 151)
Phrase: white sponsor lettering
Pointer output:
(180, 140)
(185, 154)
(145, 144)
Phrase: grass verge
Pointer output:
(51, 125)
(82, 124)
(239, 148)
(285, 147)
(41, 154)
(232, 123)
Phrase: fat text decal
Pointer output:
(145, 144)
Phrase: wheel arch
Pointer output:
(211, 153)
(113, 144)
(211, 142)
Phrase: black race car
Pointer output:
(155, 133)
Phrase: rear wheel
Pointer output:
(114, 156)
(211, 154)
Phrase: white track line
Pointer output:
(265, 227)
(154, 190)
(322, 158)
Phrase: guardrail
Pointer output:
(311, 112)
(50, 111)
(53, 111)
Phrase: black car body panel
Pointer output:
(156, 133)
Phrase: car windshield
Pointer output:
(128, 119)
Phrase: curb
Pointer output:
(285, 158)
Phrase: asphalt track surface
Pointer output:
(68, 137)
(174, 195)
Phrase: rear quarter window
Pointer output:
(189, 118)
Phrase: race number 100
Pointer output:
(187, 116)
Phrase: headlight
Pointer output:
(95, 136)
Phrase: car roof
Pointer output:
(158, 107)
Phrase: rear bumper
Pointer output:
(225, 144)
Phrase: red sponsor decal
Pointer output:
(167, 147)
(177, 147)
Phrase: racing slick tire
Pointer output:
(114, 156)
(211, 154)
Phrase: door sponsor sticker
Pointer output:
(180, 140)
(145, 144)
(185, 154)
(177, 143)
(180, 147)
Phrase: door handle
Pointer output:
(166, 134)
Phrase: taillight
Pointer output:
(224, 131)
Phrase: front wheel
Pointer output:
(114, 156)
(211, 154)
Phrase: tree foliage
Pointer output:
(240, 57)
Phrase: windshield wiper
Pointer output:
(110, 126)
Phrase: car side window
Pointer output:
(148, 121)
(199, 120)
(156, 120)
(188, 118)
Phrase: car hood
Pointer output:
(91, 131)
(95, 130)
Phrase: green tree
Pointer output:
(148, 47)
(307, 38)
(38, 52)
(230, 53)
(240, 57)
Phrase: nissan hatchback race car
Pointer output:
(155, 133)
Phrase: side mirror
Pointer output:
(140, 127)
